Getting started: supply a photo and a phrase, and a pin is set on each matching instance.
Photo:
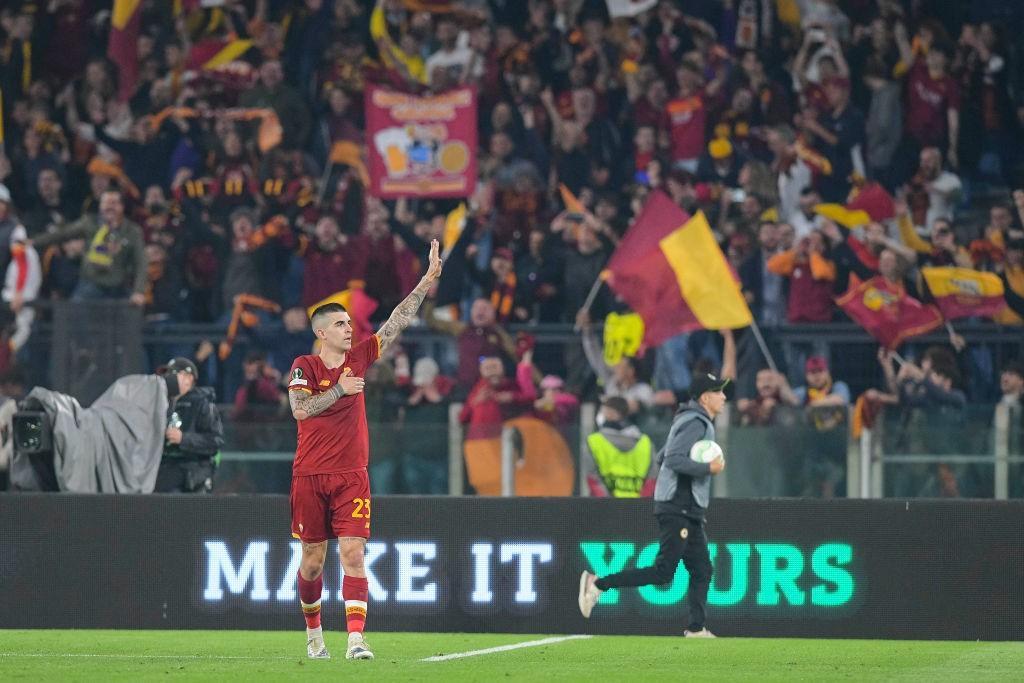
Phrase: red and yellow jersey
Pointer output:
(336, 440)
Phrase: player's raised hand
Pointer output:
(350, 384)
(435, 264)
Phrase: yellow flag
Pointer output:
(706, 282)
(622, 336)
(454, 224)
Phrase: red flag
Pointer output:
(874, 201)
(669, 269)
(886, 312)
(122, 47)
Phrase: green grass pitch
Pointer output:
(280, 656)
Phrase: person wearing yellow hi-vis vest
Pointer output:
(618, 461)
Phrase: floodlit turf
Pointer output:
(279, 656)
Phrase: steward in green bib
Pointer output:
(618, 461)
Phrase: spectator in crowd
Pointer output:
(840, 135)
(493, 399)
(933, 100)
(20, 289)
(8, 224)
(261, 395)
(424, 431)
(332, 262)
(1012, 274)
(51, 209)
(932, 192)
(794, 175)
(114, 263)
(286, 102)
(622, 379)
(761, 411)
(480, 338)
(555, 404)
(1011, 384)
(618, 461)
(932, 421)
(811, 276)
(884, 123)
(824, 399)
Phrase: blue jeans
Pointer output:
(89, 291)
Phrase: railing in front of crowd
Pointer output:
(905, 454)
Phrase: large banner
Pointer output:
(421, 146)
(841, 568)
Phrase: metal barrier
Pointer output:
(874, 456)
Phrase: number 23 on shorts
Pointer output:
(361, 508)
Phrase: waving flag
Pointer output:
(871, 203)
(670, 270)
(122, 48)
(886, 312)
(964, 293)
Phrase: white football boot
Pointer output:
(357, 647)
(589, 594)
(703, 633)
(315, 647)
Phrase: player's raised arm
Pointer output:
(405, 312)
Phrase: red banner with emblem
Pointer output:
(886, 312)
(421, 146)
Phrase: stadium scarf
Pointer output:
(99, 250)
(503, 296)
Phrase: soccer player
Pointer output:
(330, 494)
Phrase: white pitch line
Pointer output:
(504, 648)
(44, 655)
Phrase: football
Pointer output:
(705, 451)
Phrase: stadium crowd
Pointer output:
(178, 196)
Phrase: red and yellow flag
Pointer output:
(886, 312)
(964, 293)
(670, 270)
(215, 52)
(871, 203)
(122, 48)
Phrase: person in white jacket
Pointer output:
(22, 280)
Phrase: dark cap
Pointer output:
(704, 383)
(182, 364)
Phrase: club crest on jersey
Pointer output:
(297, 378)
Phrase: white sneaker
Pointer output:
(357, 647)
(315, 647)
(589, 594)
(703, 633)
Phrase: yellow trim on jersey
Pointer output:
(377, 339)
(307, 390)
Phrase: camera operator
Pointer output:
(194, 433)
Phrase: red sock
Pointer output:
(309, 596)
(356, 590)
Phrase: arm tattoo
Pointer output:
(403, 315)
(314, 405)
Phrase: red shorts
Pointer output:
(326, 506)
